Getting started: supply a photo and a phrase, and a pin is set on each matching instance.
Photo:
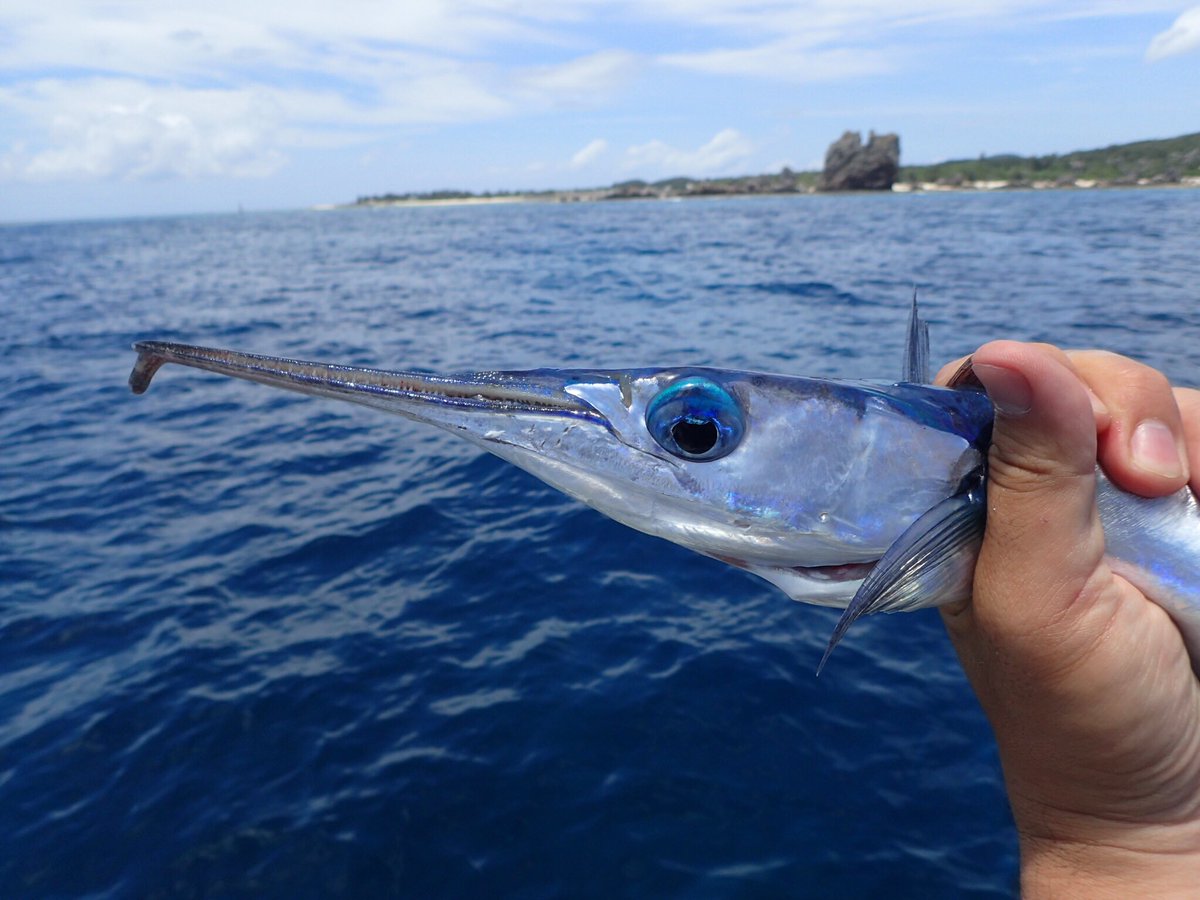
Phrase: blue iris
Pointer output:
(695, 418)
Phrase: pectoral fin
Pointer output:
(931, 563)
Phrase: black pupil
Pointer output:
(695, 436)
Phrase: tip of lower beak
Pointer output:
(148, 362)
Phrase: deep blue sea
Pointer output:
(259, 645)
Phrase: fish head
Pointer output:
(805, 481)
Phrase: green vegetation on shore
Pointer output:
(1167, 161)
(1161, 162)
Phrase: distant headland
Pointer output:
(851, 165)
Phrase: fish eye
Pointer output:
(695, 418)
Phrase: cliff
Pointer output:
(851, 165)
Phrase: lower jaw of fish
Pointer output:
(844, 572)
(819, 585)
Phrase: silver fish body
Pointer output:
(807, 482)
(1154, 543)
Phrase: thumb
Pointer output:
(1043, 544)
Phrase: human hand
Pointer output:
(1087, 683)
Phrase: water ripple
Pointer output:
(258, 645)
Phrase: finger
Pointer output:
(1043, 540)
(946, 371)
(1099, 410)
(1143, 449)
(1188, 401)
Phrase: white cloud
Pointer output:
(785, 60)
(821, 21)
(173, 89)
(656, 157)
(171, 36)
(580, 81)
(126, 129)
(441, 94)
(589, 154)
(124, 89)
(1182, 37)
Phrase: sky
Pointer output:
(141, 108)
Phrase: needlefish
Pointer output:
(861, 495)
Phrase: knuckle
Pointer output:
(1031, 475)
(1108, 373)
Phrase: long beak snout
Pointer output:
(406, 393)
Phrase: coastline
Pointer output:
(650, 192)
(1169, 163)
(499, 200)
(1082, 184)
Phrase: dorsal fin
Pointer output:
(916, 352)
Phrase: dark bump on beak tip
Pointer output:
(147, 364)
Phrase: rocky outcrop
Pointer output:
(850, 166)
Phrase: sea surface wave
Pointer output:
(258, 645)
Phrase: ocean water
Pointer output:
(259, 645)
